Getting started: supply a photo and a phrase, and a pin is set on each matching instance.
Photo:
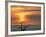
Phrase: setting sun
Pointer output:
(21, 14)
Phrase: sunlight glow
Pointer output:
(22, 16)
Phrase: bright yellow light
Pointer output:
(21, 16)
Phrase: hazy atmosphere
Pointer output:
(24, 18)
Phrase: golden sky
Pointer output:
(20, 13)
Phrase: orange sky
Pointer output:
(20, 13)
